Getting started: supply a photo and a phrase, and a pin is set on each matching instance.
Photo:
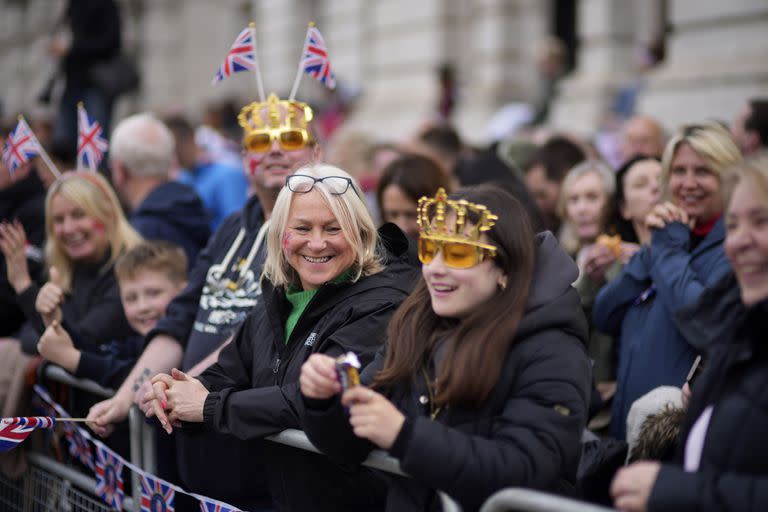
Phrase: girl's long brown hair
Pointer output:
(477, 344)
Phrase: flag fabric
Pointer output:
(91, 144)
(156, 495)
(20, 146)
(15, 430)
(109, 477)
(79, 448)
(216, 506)
(314, 60)
(241, 57)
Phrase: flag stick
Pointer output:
(52, 168)
(256, 70)
(74, 420)
(300, 71)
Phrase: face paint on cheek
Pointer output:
(287, 237)
(98, 226)
(253, 163)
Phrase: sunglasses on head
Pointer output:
(301, 183)
(289, 139)
(455, 254)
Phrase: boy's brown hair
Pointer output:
(157, 255)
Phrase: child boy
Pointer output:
(149, 276)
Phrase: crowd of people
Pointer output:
(508, 305)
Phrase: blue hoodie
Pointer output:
(175, 213)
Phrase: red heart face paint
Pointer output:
(253, 162)
(287, 237)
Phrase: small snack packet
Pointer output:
(348, 366)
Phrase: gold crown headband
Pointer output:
(252, 116)
(434, 215)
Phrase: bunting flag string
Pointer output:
(156, 493)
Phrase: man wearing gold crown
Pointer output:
(223, 288)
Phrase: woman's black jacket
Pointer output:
(255, 390)
(733, 471)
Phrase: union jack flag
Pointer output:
(15, 430)
(20, 146)
(156, 495)
(91, 145)
(79, 448)
(314, 60)
(241, 57)
(216, 506)
(109, 477)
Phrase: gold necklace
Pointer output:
(434, 409)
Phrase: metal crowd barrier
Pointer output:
(143, 455)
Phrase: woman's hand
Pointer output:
(628, 250)
(372, 416)
(597, 261)
(318, 377)
(56, 346)
(103, 415)
(666, 213)
(50, 298)
(185, 398)
(631, 487)
(13, 244)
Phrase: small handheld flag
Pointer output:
(91, 145)
(21, 146)
(314, 61)
(15, 430)
(241, 57)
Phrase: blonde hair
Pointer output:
(350, 211)
(712, 142)
(607, 178)
(92, 193)
(754, 169)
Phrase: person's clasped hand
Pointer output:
(175, 398)
(667, 213)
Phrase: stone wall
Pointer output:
(390, 49)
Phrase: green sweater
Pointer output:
(300, 299)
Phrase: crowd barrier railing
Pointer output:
(143, 455)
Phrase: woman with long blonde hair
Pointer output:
(86, 232)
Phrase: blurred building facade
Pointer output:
(716, 55)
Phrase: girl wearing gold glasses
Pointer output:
(484, 378)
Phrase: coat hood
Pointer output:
(553, 303)
(715, 316)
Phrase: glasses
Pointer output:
(289, 139)
(301, 183)
(455, 254)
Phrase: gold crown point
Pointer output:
(435, 219)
